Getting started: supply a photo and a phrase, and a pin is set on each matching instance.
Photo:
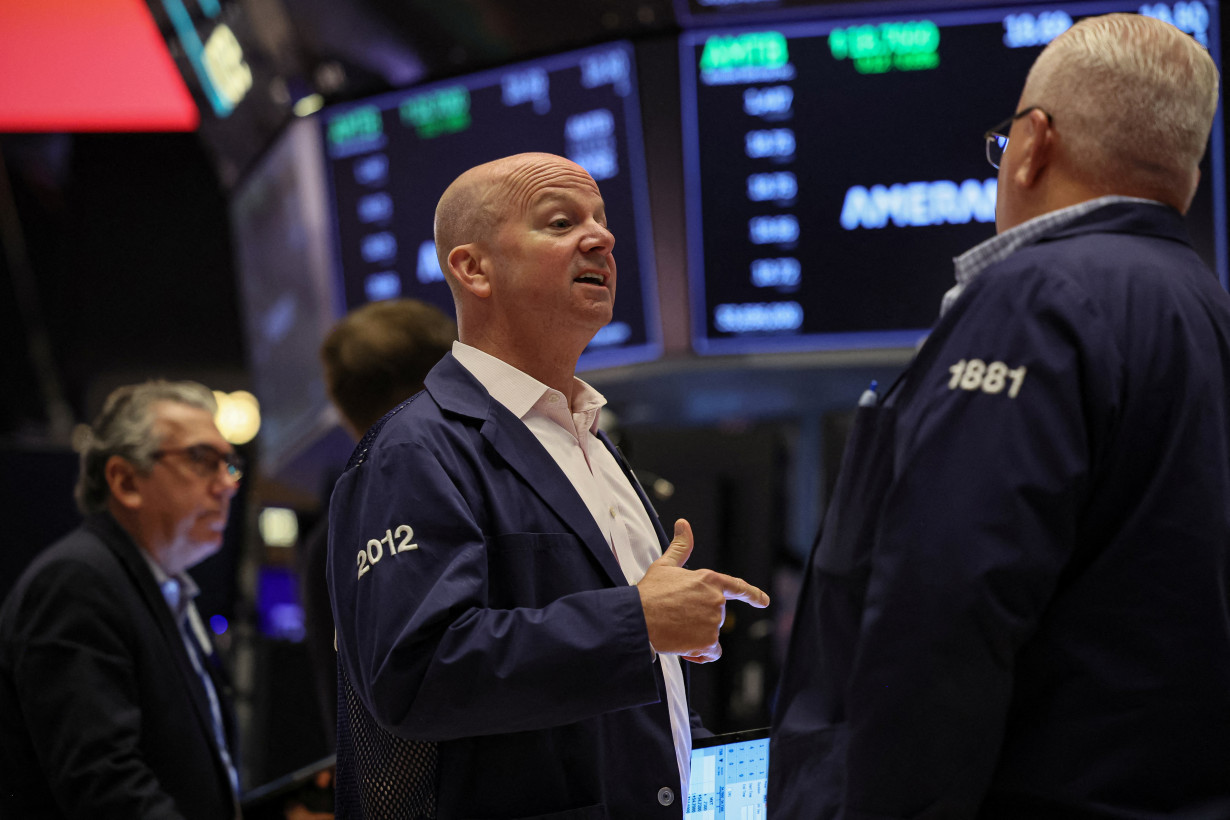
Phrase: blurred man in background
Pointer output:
(377, 356)
(374, 358)
(113, 703)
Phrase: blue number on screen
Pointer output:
(427, 269)
(597, 123)
(758, 317)
(372, 170)
(1025, 29)
(785, 272)
(607, 68)
(378, 247)
(773, 142)
(768, 230)
(775, 186)
(383, 285)
(774, 101)
(376, 207)
(531, 85)
(1191, 17)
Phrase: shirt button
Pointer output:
(612, 511)
(552, 398)
(666, 795)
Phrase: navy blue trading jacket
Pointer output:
(1020, 607)
(489, 645)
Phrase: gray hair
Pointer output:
(125, 428)
(1132, 98)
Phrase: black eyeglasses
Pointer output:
(997, 137)
(205, 459)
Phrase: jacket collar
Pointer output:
(1141, 218)
(456, 391)
(126, 551)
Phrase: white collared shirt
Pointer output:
(180, 591)
(569, 435)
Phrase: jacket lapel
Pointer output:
(129, 556)
(455, 389)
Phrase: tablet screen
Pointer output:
(730, 777)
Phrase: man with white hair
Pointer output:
(1018, 606)
(113, 703)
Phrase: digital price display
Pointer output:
(834, 168)
(217, 58)
(280, 230)
(391, 157)
(217, 47)
(729, 782)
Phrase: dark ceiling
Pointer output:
(387, 38)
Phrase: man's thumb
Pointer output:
(680, 548)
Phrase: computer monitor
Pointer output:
(834, 166)
(390, 157)
(280, 226)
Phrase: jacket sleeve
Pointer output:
(448, 631)
(992, 464)
(72, 661)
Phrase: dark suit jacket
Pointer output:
(1018, 608)
(501, 635)
(101, 712)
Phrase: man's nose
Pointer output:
(226, 484)
(598, 238)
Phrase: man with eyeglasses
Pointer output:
(1018, 606)
(112, 700)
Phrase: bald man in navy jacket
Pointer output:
(509, 629)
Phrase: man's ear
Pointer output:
(1036, 148)
(121, 477)
(465, 264)
(1186, 202)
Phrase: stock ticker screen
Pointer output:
(729, 781)
(835, 167)
(389, 158)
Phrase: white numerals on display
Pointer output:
(975, 374)
(395, 541)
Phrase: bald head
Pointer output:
(524, 245)
(1133, 100)
(473, 206)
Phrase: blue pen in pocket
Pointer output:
(869, 397)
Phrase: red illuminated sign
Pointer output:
(88, 65)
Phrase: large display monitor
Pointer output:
(280, 229)
(834, 167)
(390, 157)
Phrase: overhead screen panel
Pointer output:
(280, 225)
(835, 167)
(235, 80)
(390, 158)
